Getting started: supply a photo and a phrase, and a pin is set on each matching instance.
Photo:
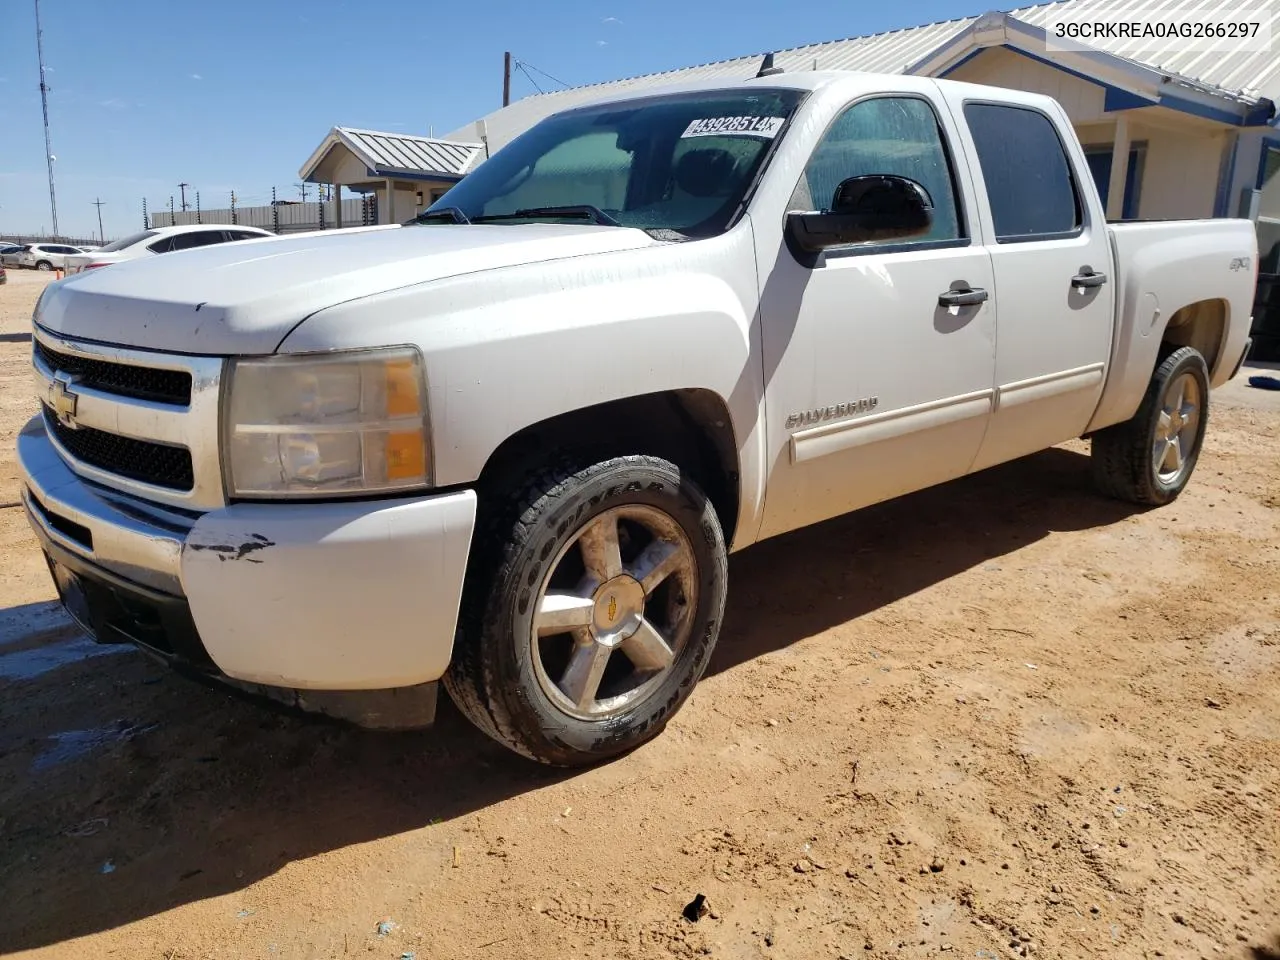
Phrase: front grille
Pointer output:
(153, 463)
(121, 379)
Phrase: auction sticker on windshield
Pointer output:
(766, 127)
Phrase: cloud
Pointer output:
(612, 20)
(196, 76)
(113, 103)
(602, 43)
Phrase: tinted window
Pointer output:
(242, 235)
(888, 135)
(682, 163)
(1029, 181)
(128, 241)
(197, 238)
(163, 245)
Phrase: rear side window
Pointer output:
(197, 238)
(1029, 182)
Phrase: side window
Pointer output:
(196, 238)
(242, 235)
(887, 135)
(1029, 181)
(163, 245)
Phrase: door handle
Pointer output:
(962, 298)
(1088, 279)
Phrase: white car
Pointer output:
(163, 240)
(45, 256)
(510, 447)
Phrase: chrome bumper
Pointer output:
(114, 531)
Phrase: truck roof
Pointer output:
(817, 80)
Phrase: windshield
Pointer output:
(129, 241)
(679, 163)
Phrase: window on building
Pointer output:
(899, 136)
(1033, 195)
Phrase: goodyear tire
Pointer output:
(1149, 458)
(594, 604)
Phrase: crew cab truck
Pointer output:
(509, 446)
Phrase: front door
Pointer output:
(874, 387)
(1052, 257)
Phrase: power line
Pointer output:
(529, 76)
(543, 73)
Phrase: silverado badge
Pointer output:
(809, 418)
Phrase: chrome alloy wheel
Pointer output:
(1176, 427)
(614, 612)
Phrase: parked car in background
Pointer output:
(46, 256)
(4, 277)
(163, 240)
(9, 254)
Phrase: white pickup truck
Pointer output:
(509, 447)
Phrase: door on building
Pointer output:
(1100, 158)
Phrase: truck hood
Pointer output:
(243, 298)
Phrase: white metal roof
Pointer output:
(1244, 75)
(1244, 72)
(389, 154)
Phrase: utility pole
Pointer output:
(98, 203)
(506, 78)
(302, 190)
(183, 188)
(44, 106)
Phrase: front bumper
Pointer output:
(352, 596)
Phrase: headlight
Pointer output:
(327, 425)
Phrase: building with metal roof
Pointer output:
(406, 172)
(1169, 132)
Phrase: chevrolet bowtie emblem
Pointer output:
(63, 400)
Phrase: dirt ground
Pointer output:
(1000, 718)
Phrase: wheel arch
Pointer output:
(691, 428)
(1201, 325)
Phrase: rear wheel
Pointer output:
(1149, 458)
(44, 265)
(600, 615)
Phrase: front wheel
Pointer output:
(599, 616)
(1149, 458)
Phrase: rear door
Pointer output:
(1052, 259)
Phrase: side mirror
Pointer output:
(876, 207)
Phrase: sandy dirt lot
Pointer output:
(1001, 718)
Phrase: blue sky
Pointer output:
(235, 94)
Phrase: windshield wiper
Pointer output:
(447, 214)
(582, 210)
